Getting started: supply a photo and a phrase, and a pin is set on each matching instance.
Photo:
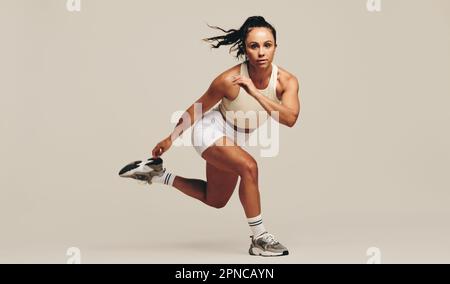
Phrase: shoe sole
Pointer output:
(259, 252)
(130, 170)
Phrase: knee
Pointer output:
(249, 169)
(218, 204)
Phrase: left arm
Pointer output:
(289, 108)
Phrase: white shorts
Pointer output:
(207, 130)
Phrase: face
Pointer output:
(260, 47)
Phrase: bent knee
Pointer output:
(249, 168)
(218, 204)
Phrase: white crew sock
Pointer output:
(256, 225)
(167, 178)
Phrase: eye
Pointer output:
(268, 45)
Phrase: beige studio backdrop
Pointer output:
(83, 93)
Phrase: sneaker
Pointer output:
(143, 170)
(266, 245)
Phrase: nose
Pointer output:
(261, 52)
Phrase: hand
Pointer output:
(162, 147)
(246, 83)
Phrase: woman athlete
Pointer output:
(255, 85)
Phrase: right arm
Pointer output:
(212, 96)
(216, 91)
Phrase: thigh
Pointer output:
(225, 155)
(224, 159)
(220, 184)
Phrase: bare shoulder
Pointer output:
(224, 83)
(285, 77)
(285, 81)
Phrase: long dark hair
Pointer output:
(237, 37)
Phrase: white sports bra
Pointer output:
(244, 111)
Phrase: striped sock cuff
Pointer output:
(254, 221)
(169, 178)
(256, 225)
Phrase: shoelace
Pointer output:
(269, 238)
(145, 179)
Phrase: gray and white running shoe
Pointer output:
(266, 245)
(143, 170)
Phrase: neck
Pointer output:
(259, 75)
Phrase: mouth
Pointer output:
(262, 61)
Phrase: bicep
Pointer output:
(290, 98)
